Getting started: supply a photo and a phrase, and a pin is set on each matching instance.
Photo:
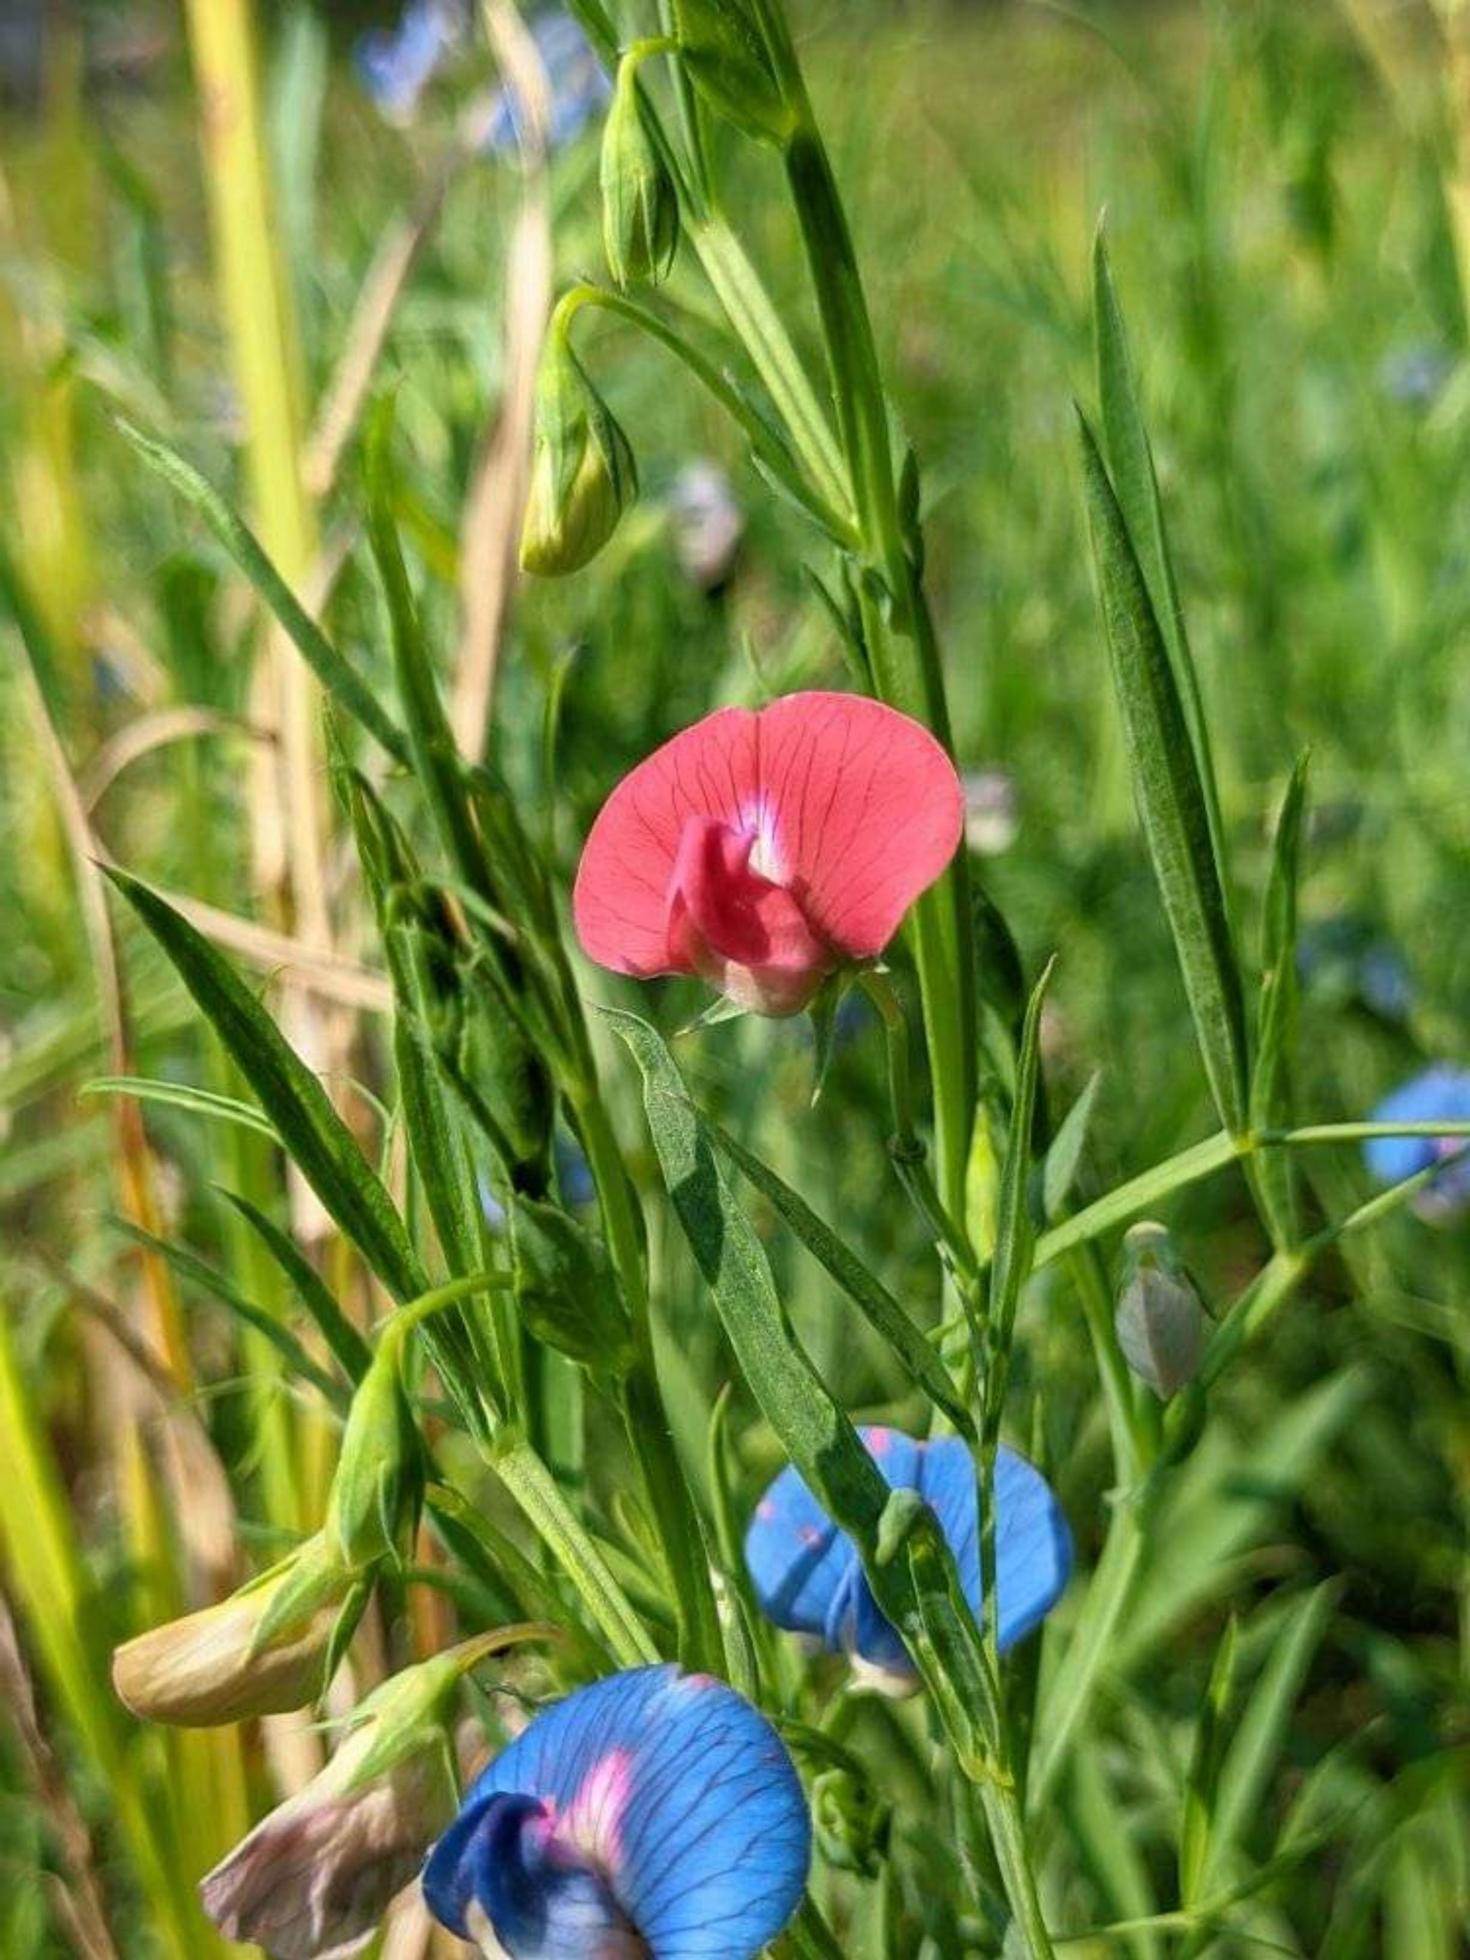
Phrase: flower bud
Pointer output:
(582, 471)
(565, 1290)
(318, 1873)
(377, 1493)
(1160, 1321)
(262, 1651)
(640, 205)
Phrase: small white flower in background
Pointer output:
(992, 811)
(707, 524)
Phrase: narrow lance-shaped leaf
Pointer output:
(1170, 796)
(336, 675)
(182, 1095)
(1271, 1082)
(320, 1143)
(350, 1349)
(905, 1558)
(1059, 1173)
(1201, 1784)
(1130, 459)
(1260, 1735)
(867, 1292)
(188, 1265)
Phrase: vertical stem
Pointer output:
(664, 1484)
(1008, 1835)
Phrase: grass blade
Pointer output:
(348, 1346)
(1271, 1104)
(341, 681)
(1201, 1783)
(183, 1095)
(1131, 463)
(319, 1141)
(1171, 799)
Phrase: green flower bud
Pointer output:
(565, 1290)
(378, 1491)
(1160, 1321)
(262, 1651)
(583, 475)
(640, 205)
(850, 1821)
(722, 49)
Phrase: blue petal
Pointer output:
(678, 1792)
(808, 1577)
(1438, 1092)
(498, 1864)
(1033, 1547)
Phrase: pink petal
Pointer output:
(867, 811)
(737, 930)
(621, 899)
(852, 807)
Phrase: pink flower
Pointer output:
(763, 851)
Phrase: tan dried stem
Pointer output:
(491, 527)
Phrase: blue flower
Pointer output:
(652, 1816)
(1439, 1093)
(397, 64)
(579, 87)
(1345, 962)
(809, 1579)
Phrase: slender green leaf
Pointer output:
(209, 1280)
(320, 1143)
(1103, 1831)
(1059, 1173)
(342, 681)
(1260, 1735)
(183, 1095)
(867, 1292)
(1271, 1105)
(1201, 1783)
(1170, 795)
(1131, 464)
(348, 1346)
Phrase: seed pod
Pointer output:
(1160, 1321)
(640, 205)
(583, 475)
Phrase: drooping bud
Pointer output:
(378, 1489)
(640, 205)
(565, 1290)
(1160, 1321)
(262, 1651)
(583, 475)
(317, 1875)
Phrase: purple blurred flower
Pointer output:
(809, 1579)
(1440, 1094)
(1415, 373)
(397, 64)
(579, 88)
(652, 1816)
(1345, 961)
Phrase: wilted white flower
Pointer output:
(259, 1652)
(707, 522)
(992, 811)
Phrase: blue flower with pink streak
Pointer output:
(653, 1816)
(1438, 1094)
(809, 1579)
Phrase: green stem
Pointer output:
(772, 453)
(536, 1491)
(1002, 1807)
(665, 1486)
